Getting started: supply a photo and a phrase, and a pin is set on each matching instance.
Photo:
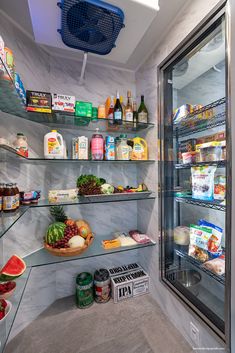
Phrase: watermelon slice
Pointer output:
(13, 269)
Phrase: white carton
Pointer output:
(82, 147)
(62, 102)
(129, 285)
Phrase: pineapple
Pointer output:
(58, 213)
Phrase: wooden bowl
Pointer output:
(8, 294)
(69, 251)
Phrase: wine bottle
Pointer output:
(117, 112)
(142, 112)
(129, 108)
(135, 115)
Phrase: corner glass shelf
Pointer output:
(194, 122)
(198, 264)
(7, 220)
(11, 103)
(8, 153)
(218, 164)
(215, 205)
(42, 257)
(15, 300)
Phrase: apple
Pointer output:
(83, 231)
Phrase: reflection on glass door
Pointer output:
(193, 174)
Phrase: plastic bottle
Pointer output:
(140, 149)
(97, 146)
(53, 145)
(1, 196)
(21, 145)
(17, 196)
(123, 149)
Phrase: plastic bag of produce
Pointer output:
(203, 182)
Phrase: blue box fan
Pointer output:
(90, 25)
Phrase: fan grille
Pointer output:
(91, 25)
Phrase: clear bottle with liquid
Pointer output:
(129, 108)
(97, 146)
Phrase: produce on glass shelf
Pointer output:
(7, 289)
(76, 241)
(55, 232)
(89, 185)
(203, 182)
(13, 269)
(216, 265)
(67, 233)
(3, 306)
(107, 189)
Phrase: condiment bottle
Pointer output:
(8, 198)
(21, 145)
(101, 111)
(97, 146)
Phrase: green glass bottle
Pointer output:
(142, 112)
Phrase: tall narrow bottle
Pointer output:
(111, 111)
(129, 108)
(118, 112)
(135, 115)
(142, 112)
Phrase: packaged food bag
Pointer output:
(216, 265)
(198, 246)
(214, 242)
(203, 182)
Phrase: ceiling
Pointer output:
(145, 27)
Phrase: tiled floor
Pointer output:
(134, 326)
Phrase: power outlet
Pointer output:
(194, 334)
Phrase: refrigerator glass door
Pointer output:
(193, 174)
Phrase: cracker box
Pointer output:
(129, 285)
(114, 271)
(63, 103)
(38, 101)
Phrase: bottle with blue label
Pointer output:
(118, 111)
(110, 148)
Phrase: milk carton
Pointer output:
(82, 147)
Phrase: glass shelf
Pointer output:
(11, 103)
(100, 199)
(42, 257)
(193, 123)
(198, 264)
(15, 299)
(219, 164)
(215, 205)
(7, 220)
(8, 153)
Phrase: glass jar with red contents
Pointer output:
(9, 198)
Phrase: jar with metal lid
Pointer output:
(84, 290)
(102, 286)
(9, 198)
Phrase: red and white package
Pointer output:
(139, 237)
(216, 265)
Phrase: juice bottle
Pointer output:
(17, 196)
(97, 146)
